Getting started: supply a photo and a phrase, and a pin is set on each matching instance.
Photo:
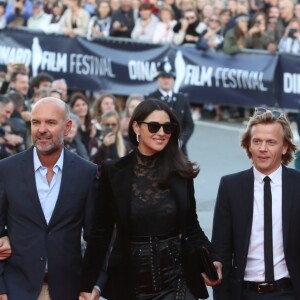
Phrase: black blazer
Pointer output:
(232, 228)
(114, 208)
(182, 109)
(33, 241)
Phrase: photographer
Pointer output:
(290, 42)
(18, 12)
(258, 36)
(10, 143)
(113, 144)
(122, 20)
(187, 30)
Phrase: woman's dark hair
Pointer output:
(87, 119)
(238, 33)
(171, 159)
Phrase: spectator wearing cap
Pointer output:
(177, 102)
(2, 15)
(235, 38)
(39, 19)
(145, 25)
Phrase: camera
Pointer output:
(292, 32)
(106, 131)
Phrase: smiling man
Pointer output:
(47, 198)
(256, 217)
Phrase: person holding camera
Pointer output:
(258, 36)
(113, 145)
(122, 20)
(18, 12)
(99, 24)
(9, 142)
(290, 42)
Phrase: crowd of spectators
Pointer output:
(211, 25)
(100, 121)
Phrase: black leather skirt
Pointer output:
(157, 269)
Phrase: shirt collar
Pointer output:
(164, 93)
(37, 163)
(275, 176)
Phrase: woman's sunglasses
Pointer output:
(261, 110)
(154, 127)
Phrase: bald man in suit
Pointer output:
(47, 197)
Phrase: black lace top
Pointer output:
(153, 209)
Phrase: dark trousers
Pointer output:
(285, 294)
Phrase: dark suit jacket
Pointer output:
(232, 228)
(181, 107)
(34, 242)
(114, 208)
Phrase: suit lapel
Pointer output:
(66, 183)
(121, 175)
(30, 183)
(180, 193)
(288, 184)
(247, 188)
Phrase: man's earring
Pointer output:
(137, 138)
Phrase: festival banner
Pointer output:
(289, 81)
(123, 67)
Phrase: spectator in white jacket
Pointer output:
(145, 25)
(57, 12)
(39, 19)
(163, 32)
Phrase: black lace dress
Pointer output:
(155, 244)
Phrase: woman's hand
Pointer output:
(109, 139)
(209, 282)
(5, 248)
(95, 295)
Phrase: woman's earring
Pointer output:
(179, 143)
(137, 138)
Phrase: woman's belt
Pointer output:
(147, 238)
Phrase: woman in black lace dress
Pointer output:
(148, 197)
